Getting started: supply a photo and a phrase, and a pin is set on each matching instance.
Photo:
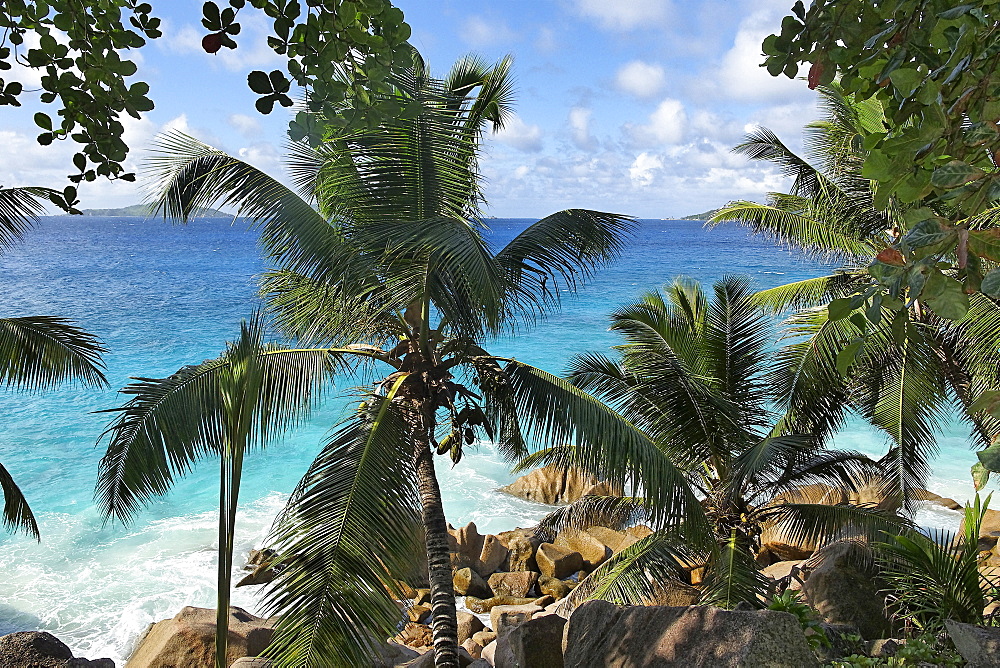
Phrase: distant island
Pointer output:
(142, 210)
(702, 216)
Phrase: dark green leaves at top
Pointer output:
(954, 174)
(991, 284)
(945, 295)
(273, 87)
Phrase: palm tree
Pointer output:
(898, 365)
(37, 352)
(383, 259)
(223, 406)
(694, 375)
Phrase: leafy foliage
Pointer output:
(936, 576)
(790, 601)
(692, 377)
(902, 366)
(336, 51)
(382, 255)
(931, 66)
(37, 352)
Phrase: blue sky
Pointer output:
(629, 106)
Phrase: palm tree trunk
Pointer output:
(443, 615)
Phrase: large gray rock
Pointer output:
(557, 562)
(189, 639)
(842, 588)
(603, 634)
(978, 646)
(39, 649)
(536, 642)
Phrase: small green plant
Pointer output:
(933, 577)
(922, 650)
(791, 602)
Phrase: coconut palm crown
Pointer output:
(382, 257)
(898, 365)
(694, 375)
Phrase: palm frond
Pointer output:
(557, 253)
(606, 445)
(732, 578)
(189, 174)
(17, 515)
(350, 531)
(796, 224)
(19, 211)
(169, 423)
(638, 575)
(810, 292)
(41, 351)
(814, 523)
(613, 512)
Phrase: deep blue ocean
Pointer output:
(161, 296)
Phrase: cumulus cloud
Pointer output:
(579, 124)
(739, 75)
(520, 135)
(625, 16)
(640, 79)
(667, 125)
(248, 126)
(641, 171)
(252, 52)
(479, 32)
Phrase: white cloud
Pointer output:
(252, 50)
(262, 155)
(248, 126)
(666, 125)
(626, 14)
(579, 123)
(479, 32)
(546, 41)
(740, 77)
(641, 171)
(520, 135)
(640, 79)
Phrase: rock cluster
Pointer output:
(38, 649)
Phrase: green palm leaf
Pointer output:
(169, 423)
(38, 352)
(17, 516)
(732, 577)
(349, 533)
(605, 444)
(19, 211)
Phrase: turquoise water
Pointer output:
(161, 296)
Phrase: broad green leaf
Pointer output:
(877, 167)
(840, 308)
(985, 243)
(259, 82)
(980, 475)
(954, 174)
(990, 458)
(991, 284)
(981, 133)
(905, 79)
(945, 296)
(846, 357)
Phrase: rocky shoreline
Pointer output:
(521, 611)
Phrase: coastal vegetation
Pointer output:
(903, 367)
(391, 269)
(37, 352)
